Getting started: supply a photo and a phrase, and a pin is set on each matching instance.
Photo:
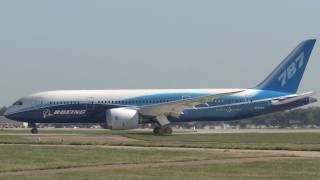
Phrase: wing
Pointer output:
(174, 108)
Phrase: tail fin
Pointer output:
(287, 76)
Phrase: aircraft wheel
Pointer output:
(167, 130)
(162, 131)
(34, 131)
(157, 131)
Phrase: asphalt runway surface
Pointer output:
(176, 131)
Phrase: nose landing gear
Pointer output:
(34, 129)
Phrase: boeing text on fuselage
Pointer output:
(48, 113)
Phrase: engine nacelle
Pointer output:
(122, 119)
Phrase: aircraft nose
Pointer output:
(11, 114)
(7, 113)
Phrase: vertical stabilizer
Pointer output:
(287, 76)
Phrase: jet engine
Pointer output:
(122, 119)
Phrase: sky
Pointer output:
(125, 44)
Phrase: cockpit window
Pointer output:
(18, 103)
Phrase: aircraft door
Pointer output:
(90, 103)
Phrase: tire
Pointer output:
(34, 131)
(157, 131)
(167, 131)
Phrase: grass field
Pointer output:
(286, 141)
(44, 157)
(267, 141)
(284, 170)
(28, 157)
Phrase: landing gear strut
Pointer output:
(34, 129)
(162, 131)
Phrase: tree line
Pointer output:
(299, 118)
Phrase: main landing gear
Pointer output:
(34, 129)
(162, 131)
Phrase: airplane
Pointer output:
(128, 109)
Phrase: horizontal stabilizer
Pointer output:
(289, 99)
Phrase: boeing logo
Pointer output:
(49, 113)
